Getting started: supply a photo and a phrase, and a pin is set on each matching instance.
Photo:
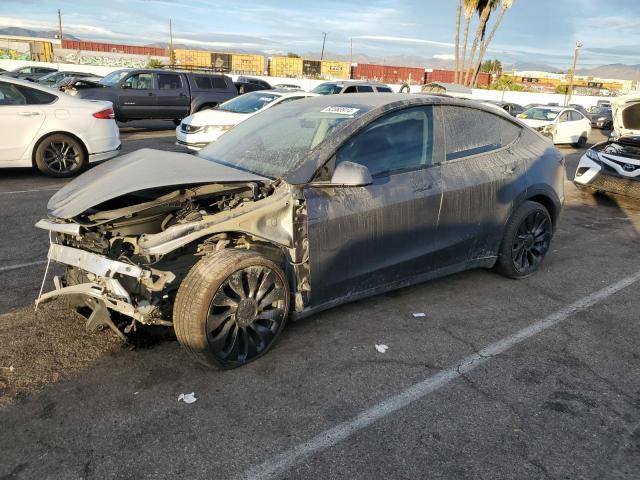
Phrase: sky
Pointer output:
(533, 31)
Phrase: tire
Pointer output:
(177, 121)
(222, 315)
(526, 241)
(60, 156)
(581, 142)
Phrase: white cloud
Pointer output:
(444, 56)
(409, 40)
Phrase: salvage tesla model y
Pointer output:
(300, 208)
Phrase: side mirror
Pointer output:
(351, 174)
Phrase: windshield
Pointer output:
(546, 114)
(50, 77)
(276, 141)
(113, 78)
(601, 111)
(248, 103)
(327, 89)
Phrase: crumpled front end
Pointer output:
(612, 166)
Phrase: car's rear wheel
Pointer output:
(231, 308)
(60, 155)
(526, 241)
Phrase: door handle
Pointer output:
(28, 114)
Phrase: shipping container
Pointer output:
(221, 62)
(41, 51)
(285, 67)
(388, 74)
(192, 58)
(448, 76)
(335, 70)
(113, 48)
(311, 68)
(246, 64)
(36, 50)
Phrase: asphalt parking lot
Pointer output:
(501, 379)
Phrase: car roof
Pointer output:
(355, 82)
(283, 92)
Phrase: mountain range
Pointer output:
(616, 70)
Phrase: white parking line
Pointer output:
(7, 268)
(34, 190)
(282, 462)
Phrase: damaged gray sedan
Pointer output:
(303, 207)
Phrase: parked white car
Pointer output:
(52, 131)
(198, 130)
(562, 125)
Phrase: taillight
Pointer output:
(105, 114)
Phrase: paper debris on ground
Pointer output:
(187, 397)
(381, 348)
(419, 314)
(10, 369)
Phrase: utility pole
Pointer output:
(323, 40)
(171, 55)
(572, 73)
(350, 50)
(59, 25)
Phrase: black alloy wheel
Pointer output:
(231, 308)
(246, 314)
(531, 242)
(60, 155)
(525, 242)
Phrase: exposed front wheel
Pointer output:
(526, 241)
(60, 155)
(231, 308)
(582, 141)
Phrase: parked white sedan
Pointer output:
(562, 125)
(198, 130)
(52, 131)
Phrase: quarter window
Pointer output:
(399, 141)
(575, 116)
(169, 81)
(140, 81)
(364, 89)
(384, 89)
(471, 132)
(36, 97)
(10, 95)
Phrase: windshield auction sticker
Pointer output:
(341, 110)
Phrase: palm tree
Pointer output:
(457, 54)
(470, 7)
(484, 8)
(506, 5)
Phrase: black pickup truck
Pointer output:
(159, 94)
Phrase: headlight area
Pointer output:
(107, 287)
(547, 130)
(219, 129)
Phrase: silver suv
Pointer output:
(346, 86)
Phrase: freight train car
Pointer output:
(448, 76)
(335, 70)
(113, 48)
(246, 64)
(311, 68)
(286, 67)
(388, 74)
(192, 58)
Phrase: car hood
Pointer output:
(140, 170)
(536, 123)
(213, 116)
(626, 115)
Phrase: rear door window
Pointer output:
(364, 89)
(351, 89)
(36, 97)
(469, 131)
(10, 95)
(396, 142)
(169, 81)
(575, 116)
(384, 89)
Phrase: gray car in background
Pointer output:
(300, 208)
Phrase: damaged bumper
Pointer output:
(606, 175)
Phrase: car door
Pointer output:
(481, 177)
(364, 237)
(565, 128)
(172, 95)
(137, 96)
(21, 117)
